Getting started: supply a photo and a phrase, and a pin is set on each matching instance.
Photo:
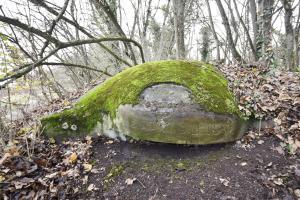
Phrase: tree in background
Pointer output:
(213, 30)
(229, 37)
(289, 35)
(179, 20)
(3, 128)
(92, 41)
(264, 37)
(55, 50)
(205, 43)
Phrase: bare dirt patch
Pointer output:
(162, 171)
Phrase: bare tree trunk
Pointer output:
(233, 23)
(253, 13)
(81, 49)
(205, 43)
(113, 23)
(136, 17)
(265, 11)
(296, 35)
(297, 49)
(235, 53)
(213, 30)
(3, 128)
(289, 34)
(178, 6)
(162, 52)
(146, 21)
(253, 50)
(143, 35)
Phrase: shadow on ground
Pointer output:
(165, 171)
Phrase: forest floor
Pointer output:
(264, 164)
(142, 170)
(255, 167)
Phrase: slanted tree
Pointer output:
(212, 27)
(230, 40)
(246, 30)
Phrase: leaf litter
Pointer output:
(46, 170)
(49, 173)
(270, 95)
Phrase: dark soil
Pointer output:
(163, 171)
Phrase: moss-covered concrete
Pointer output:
(207, 85)
(188, 129)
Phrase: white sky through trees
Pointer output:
(18, 9)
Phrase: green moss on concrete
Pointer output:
(176, 133)
(208, 87)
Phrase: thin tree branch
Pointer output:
(50, 31)
(110, 14)
(15, 39)
(76, 65)
(28, 28)
(76, 25)
(97, 40)
(48, 37)
(28, 68)
(246, 31)
(231, 44)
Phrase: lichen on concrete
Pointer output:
(208, 86)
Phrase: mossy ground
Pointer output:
(114, 172)
(209, 88)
